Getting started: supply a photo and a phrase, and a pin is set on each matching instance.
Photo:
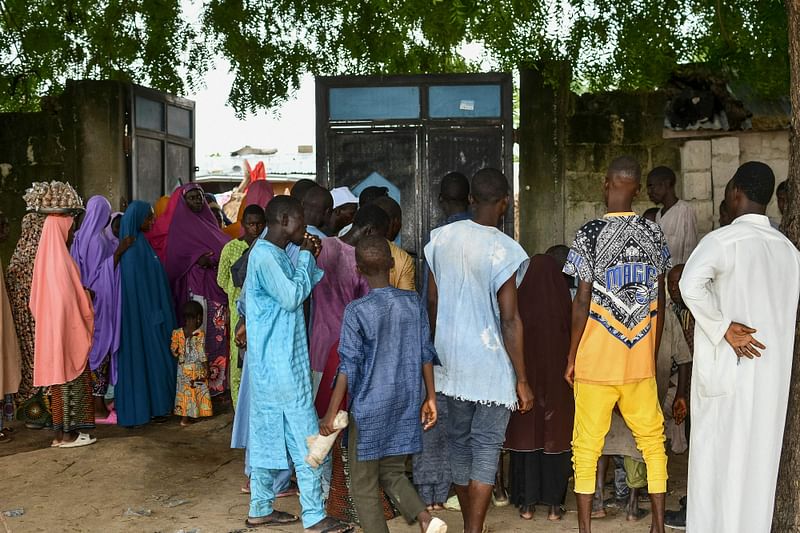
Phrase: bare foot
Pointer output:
(554, 514)
(526, 512)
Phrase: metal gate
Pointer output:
(407, 132)
(162, 129)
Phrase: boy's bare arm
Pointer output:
(513, 339)
(433, 302)
(580, 315)
(339, 391)
(430, 414)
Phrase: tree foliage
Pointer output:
(270, 44)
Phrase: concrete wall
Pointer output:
(78, 137)
(708, 164)
(567, 142)
(33, 147)
(601, 128)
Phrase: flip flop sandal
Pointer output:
(82, 440)
(337, 526)
(279, 518)
(5, 437)
(436, 526)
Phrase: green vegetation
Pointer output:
(630, 44)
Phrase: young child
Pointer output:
(387, 367)
(192, 398)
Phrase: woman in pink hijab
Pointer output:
(64, 317)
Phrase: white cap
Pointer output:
(343, 196)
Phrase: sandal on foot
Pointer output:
(331, 525)
(500, 502)
(277, 518)
(436, 525)
(82, 440)
(5, 437)
(110, 420)
(452, 504)
(526, 513)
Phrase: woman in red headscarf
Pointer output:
(189, 243)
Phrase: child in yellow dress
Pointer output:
(192, 397)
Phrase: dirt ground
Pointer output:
(185, 480)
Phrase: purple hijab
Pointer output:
(190, 236)
(93, 251)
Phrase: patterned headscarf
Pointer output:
(19, 277)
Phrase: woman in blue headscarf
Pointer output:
(146, 369)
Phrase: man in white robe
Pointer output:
(676, 217)
(742, 285)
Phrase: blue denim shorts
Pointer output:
(476, 433)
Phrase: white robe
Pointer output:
(749, 273)
(679, 225)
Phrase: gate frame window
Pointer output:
(165, 136)
(424, 124)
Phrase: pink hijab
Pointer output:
(61, 307)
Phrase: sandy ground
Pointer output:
(185, 480)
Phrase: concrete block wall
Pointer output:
(708, 164)
(603, 127)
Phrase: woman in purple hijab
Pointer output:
(97, 254)
(194, 246)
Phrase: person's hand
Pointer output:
(313, 244)
(741, 339)
(125, 243)
(524, 396)
(326, 425)
(205, 260)
(679, 409)
(569, 373)
(429, 414)
(241, 337)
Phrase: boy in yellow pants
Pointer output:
(617, 320)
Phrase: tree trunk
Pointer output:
(787, 496)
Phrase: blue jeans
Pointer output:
(476, 434)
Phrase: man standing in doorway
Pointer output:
(742, 286)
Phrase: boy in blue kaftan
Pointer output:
(281, 412)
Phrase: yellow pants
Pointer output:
(638, 404)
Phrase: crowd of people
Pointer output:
(304, 307)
